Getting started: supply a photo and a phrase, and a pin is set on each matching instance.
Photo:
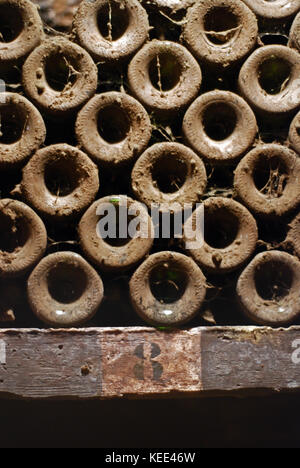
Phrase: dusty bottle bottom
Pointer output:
(220, 127)
(294, 40)
(21, 30)
(293, 236)
(64, 290)
(167, 174)
(230, 236)
(281, 10)
(266, 180)
(164, 77)
(23, 238)
(106, 239)
(119, 31)
(294, 133)
(269, 81)
(22, 131)
(60, 182)
(220, 34)
(268, 289)
(59, 77)
(113, 128)
(167, 289)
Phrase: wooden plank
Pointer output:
(143, 362)
(250, 359)
(41, 364)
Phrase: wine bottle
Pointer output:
(280, 10)
(64, 290)
(230, 235)
(168, 289)
(294, 133)
(294, 38)
(293, 236)
(111, 30)
(21, 30)
(23, 238)
(164, 77)
(169, 174)
(220, 33)
(22, 130)
(268, 289)
(116, 233)
(60, 182)
(113, 128)
(269, 81)
(266, 181)
(220, 126)
(59, 77)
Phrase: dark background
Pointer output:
(263, 422)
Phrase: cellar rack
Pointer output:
(143, 362)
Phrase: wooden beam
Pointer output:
(143, 362)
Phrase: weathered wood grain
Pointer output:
(143, 362)
(250, 358)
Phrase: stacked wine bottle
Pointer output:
(181, 117)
